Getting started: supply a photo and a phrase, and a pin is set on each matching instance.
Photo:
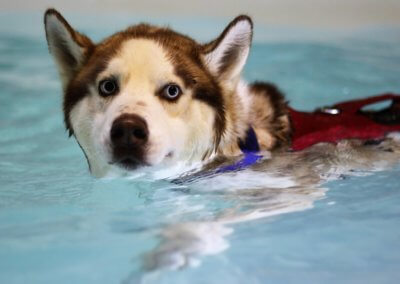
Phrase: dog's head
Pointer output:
(147, 95)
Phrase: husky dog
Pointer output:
(151, 96)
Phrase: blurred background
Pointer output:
(312, 16)
(310, 13)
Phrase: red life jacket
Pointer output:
(345, 120)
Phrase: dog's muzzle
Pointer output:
(129, 136)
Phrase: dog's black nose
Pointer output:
(129, 130)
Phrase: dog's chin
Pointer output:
(133, 163)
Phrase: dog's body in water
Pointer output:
(148, 97)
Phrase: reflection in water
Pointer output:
(286, 182)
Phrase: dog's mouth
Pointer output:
(128, 163)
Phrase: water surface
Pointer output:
(59, 225)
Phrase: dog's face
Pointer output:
(146, 95)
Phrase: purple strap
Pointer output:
(249, 148)
(248, 160)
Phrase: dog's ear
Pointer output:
(226, 55)
(68, 47)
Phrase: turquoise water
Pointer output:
(59, 225)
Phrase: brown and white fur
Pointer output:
(212, 113)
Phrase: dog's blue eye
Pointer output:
(108, 87)
(171, 91)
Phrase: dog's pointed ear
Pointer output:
(226, 55)
(68, 47)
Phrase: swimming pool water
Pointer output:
(59, 225)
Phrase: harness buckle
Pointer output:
(329, 110)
